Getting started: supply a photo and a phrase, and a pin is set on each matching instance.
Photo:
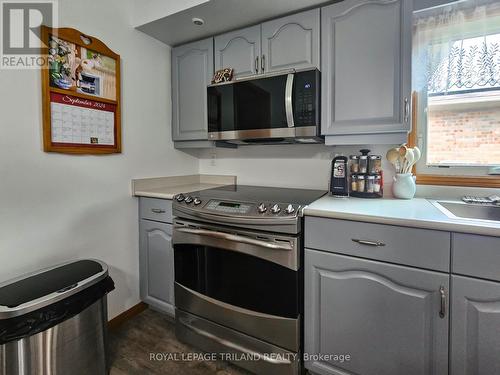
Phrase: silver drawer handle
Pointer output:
(236, 238)
(368, 242)
(257, 64)
(263, 63)
(234, 346)
(158, 211)
(442, 311)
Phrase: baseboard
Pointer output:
(126, 315)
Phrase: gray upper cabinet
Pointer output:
(389, 319)
(192, 71)
(239, 50)
(366, 75)
(475, 338)
(292, 42)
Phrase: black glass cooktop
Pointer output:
(256, 194)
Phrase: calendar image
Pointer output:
(77, 68)
(81, 121)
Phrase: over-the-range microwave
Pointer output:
(279, 107)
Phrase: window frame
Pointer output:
(441, 179)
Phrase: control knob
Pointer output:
(188, 199)
(290, 210)
(275, 209)
(197, 201)
(180, 197)
(262, 208)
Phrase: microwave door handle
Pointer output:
(288, 100)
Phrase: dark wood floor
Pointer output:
(152, 332)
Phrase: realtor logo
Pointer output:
(21, 33)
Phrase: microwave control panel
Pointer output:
(306, 98)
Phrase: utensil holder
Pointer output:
(404, 186)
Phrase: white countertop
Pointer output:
(417, 212)
(168, 187)
(168, 192)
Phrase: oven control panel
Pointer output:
(257, 210)
(228, 207)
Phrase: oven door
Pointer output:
(247, 281)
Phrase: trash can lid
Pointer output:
(42, 288)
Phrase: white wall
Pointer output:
(303, 166)
(56, 207)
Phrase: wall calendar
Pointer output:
(81, 94)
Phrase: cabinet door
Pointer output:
(292, 42)
(239, 50)
(157, 265)
(387, 318)
(366, 60)
(192, 71)
(475, 327)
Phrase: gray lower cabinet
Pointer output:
(366, 71)
(192, 71)
(475, 327)
(292, 42)
(239, 50)
(389, 319)
(156, 262)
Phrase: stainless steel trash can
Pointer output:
(53, 322)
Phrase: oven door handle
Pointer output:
(235, 238)
(234, 346)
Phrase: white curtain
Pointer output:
(456, 47)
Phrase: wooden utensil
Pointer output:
(402, 155)
(393, 157)
(409, 160)
(416, 157)
(417, 153)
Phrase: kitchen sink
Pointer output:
(461, 210)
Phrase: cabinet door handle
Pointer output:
(263, 63)
(368, 242)
(257, 64)
(442, 294)
(158, 211)
(407, 109)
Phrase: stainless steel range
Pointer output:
(238, 274)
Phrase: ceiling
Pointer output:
(219, 16)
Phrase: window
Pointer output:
(456, 78)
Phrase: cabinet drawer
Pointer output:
(414, 247)
(475, 255)
(156, 209)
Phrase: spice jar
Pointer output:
(363, 163)
(354, 183)
(370, 184)
(374, 164)
(377, 186)
(360, 183)
(354, 163)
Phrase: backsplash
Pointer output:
(301, 166)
